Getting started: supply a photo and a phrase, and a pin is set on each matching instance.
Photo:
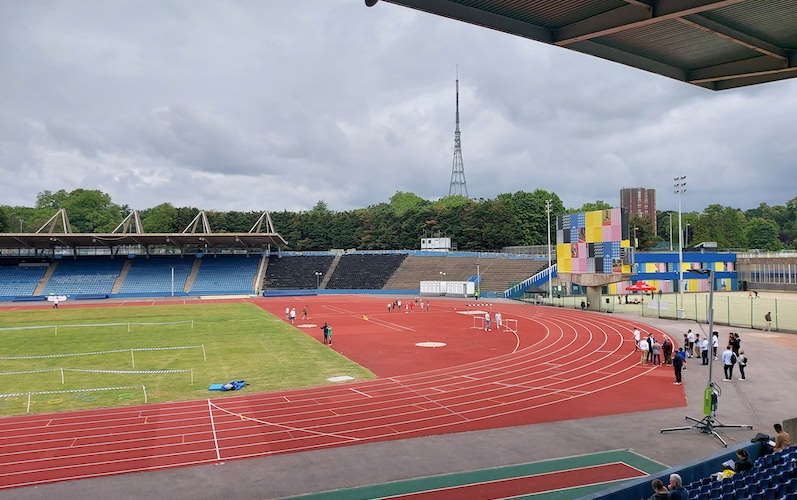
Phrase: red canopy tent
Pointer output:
(641, 286)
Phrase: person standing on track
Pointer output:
(498, 320)
(636, 339)
(304, 312)
(325, 329)
(644, 347)
(677, 364)
(487, 322)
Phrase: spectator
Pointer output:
(677, 364)
(636, 339)
(742, 462)
(666, 350)
(656, 349)
(644, 347)
(728, 360)
(768, 319)
(742, 360)
(704, 351)
(782, 438)
(659, 490)
(677, 490)
(715, 343)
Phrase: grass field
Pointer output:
(241, 342)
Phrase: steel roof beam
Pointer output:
(634, 16)
(736, 36)
(479, 17)
(756, 66)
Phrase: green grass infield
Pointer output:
(240, 341)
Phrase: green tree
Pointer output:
(763, 234)
(591, 207)
(642, 226)
(403, 202)
(160, 219)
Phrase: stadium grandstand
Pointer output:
(131, 263)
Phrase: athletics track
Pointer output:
(561, 364)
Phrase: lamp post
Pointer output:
(636, 241)
(680, 188)
(21, 221)
(318, 279)
(442, 280)
(550, 277)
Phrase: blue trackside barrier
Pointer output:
(90, 296)
(28, 298)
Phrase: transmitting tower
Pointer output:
(458, 184)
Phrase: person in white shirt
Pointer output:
(498, 320)
(486, 322)
(715, 343)
(636, 339)
(704, 351)
(644, 348)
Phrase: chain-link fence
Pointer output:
(730, 309)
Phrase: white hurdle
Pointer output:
(478, 322)
(510, 325)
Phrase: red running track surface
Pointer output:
(561, 364)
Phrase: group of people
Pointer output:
(409, 306)
(733, 355)
(693, 346)
(290, 314)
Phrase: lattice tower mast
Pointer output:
(458, 184)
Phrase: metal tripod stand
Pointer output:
(709, 423)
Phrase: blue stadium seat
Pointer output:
(771, 494)
(754, 487)
(782, 489)
(704, 496)
(792, 485)
(791, 496)
(727, 487)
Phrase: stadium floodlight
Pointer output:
(550, 277)
(711, 394)
(318, 279)
(680, 188)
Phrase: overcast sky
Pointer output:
(276, 104)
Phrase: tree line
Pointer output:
(510, 219)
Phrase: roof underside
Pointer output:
(196, 241)
(716, 44)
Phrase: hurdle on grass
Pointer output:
(90, 325)
(73, 391)
(131, 351)
(117, 372)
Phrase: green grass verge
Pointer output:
(242, 342)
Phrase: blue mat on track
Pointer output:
(235, 385)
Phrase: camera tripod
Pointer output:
(709, 423)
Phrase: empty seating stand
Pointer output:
(84, 276)
(364, 271)
(153, 275)
(296, 272)
(16, 280)
(225, 274)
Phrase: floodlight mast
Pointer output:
(550, 276)
(680, 188)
